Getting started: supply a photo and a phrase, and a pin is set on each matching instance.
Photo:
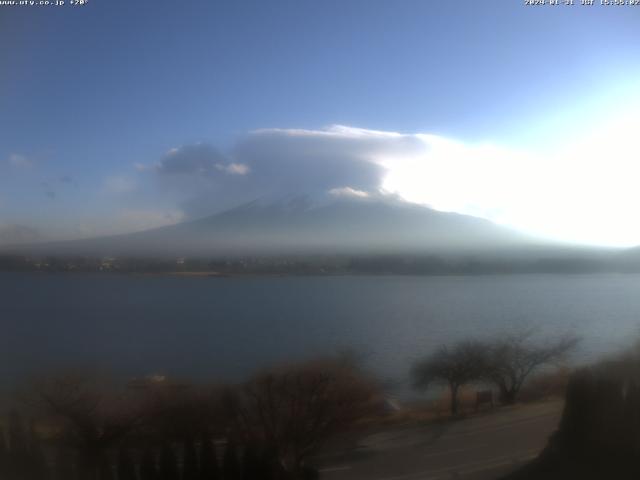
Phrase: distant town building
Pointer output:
(107, 263)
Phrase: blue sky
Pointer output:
(93, 99)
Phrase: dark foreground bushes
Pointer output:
(154, 429)
(21, 453)
(599, 433)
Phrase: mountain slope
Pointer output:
(301, 225)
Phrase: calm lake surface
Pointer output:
(227, 327)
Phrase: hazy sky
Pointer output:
(123, 115)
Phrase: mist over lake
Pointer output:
(225, 328)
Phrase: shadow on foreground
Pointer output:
(599, 433)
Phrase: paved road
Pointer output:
(482, 447)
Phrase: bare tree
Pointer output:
(511, 359)
(91, 418)
(453, 366)
(294, 409)
(182, 414)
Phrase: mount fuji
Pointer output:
(308, 224)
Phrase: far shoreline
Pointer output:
(217, 274)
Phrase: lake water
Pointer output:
(225, 328)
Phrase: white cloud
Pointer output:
(585, 191)
(198, 159)
(233, 168)
(143, 167)
(119, 184)
(20, 161)
(348, 192)
(265, 163)
(332, 131)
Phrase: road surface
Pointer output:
(485, 446)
